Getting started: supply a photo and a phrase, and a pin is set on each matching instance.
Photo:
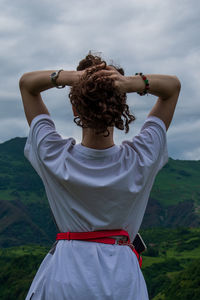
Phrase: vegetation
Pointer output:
(170, 256)
(18, 267)
(171, 227)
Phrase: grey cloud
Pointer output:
(149, 36)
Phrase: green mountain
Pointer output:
(25, 216)
(175, 197)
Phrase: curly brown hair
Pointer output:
(98, 103)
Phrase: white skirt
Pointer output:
(74, 270)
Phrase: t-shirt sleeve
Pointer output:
(150, 144)
(43, 142)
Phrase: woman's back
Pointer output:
(91, 189)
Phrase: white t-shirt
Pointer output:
(90, 190)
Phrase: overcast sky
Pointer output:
(149, 36)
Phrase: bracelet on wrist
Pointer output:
(146, 81)
(54, 76)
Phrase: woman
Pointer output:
(96, 186)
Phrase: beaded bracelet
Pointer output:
(146, 81)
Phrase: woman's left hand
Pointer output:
(121, 82)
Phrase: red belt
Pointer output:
(103, 236)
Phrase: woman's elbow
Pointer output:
(24, 80)
(177, 84)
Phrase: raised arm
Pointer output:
(33, 83)
(165, 87)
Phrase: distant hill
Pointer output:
(175, 197)
(25, 216)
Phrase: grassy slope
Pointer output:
(178, 181)
(18, 266)
(177, 249)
